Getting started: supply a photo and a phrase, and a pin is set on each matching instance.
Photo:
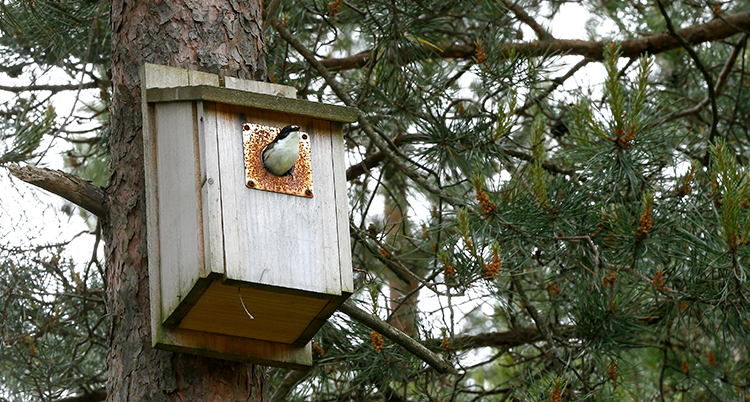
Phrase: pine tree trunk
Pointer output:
(216, 36)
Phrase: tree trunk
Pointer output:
(216, 36)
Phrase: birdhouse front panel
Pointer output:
(274, 244)
(244, 263)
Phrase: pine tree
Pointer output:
(517, 234)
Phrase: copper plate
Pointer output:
(255, 137)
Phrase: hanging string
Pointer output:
(239, 291)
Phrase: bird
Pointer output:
(280, 155)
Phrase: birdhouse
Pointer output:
(243, 264)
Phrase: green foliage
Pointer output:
(53, 326)
(595, 226)
(23, 135)
(52, 50)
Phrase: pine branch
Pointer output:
(71, 187)
(712, 31)
(370, 162)
(533, 312)
(383, 145)
(367, 164)
(723, 75)
(52, 88)
(546, 165)
(505, 339)
(702, 68)
(400, 338)
(288, 383)
(524, 17)
(556, 82)
(96, 395)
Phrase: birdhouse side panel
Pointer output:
(272, 238)
(179, 214)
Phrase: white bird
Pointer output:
(280, 155)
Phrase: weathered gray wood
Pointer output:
(154, 76)
(327, 231)
(261, 87)
(271, 238)
(211, 189)
(342, 209)
(180, 226)
(263, 101)
(158, 76)
(208, 232)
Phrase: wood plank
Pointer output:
(211, 190)
(178, 212)
(230, 96)
(260, 87)
(327, 229)
(277, 317)
(226, 347)
(271, 238)
(153, 76)
(342, 209)
(158, 76)
(152, 219)
(201, 78)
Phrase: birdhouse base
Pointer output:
(212, 321)
(236, 309)
(227, 347)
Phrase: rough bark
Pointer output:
(71, 187)
(215, 36)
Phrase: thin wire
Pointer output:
(239, 291)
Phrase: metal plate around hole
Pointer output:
(255, 137)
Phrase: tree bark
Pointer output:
(71, 187)
(215, 36)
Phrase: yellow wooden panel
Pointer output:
(278, 317)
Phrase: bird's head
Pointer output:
(286, 131)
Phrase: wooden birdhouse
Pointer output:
(243, 264)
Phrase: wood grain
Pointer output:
(271, 238)
(179, 215)
(231, 96)
(278, 317)
(209, 234)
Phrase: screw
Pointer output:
(211, 181)
(246, 127)
(308, 192)
(251, 183)
(304, 136)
